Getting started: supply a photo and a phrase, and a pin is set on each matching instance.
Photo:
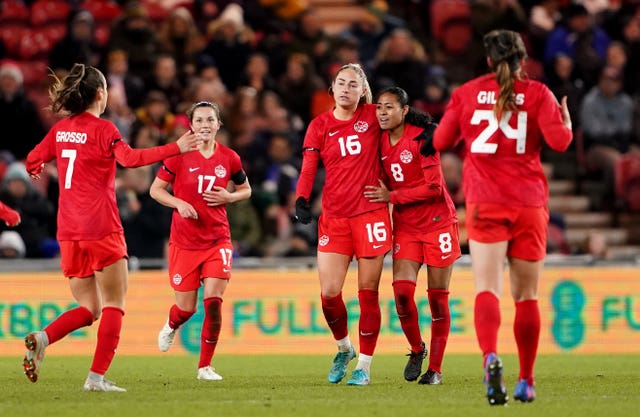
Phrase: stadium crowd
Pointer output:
(269, 68)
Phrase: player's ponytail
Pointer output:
(505, 50)
(76, 92)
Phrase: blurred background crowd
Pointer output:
(268, 64)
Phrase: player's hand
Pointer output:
(377, 194)
(303, 211)
(564, 109)
(188, 142)
(217, 196)
(427, 148)
(186, 210)
(35, 169)
(12, 218)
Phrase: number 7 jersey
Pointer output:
(502, 157)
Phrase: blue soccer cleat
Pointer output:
(359, 377)
(339, 368)
(496, 391)
(524, 392)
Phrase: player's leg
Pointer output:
(405, 272)
(213, 291)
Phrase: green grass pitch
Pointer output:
(283, 386)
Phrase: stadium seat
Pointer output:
(444, 10)
(627, 172)
(11, 36)
(33, 44)
(456, 34)
(54, 32)
(103, 11)
(13, 12)
(49, 11)
(157, 12)
(34, 72)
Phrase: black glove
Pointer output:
(427, 148)
(303, 210)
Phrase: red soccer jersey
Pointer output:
(502, 158)
(191, 174)
(419, 194)
(349, 150)
(86, 149)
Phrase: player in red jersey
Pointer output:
(502, 118)
(92, 244)
(347, 140)
(9, 216)
(425, 226)
(200, 242)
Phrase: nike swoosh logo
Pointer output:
(194, 169)
(437, 318)
(377, 246)
(225, 270)
(365, 334)
(384, 157)
(333, 133)
(444, 256)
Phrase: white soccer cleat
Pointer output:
(165, 337)
(101, 386)
(208, 374)
(35, 343)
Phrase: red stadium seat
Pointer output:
(102, 33)
(13, 11)
(444, 10)
(157, 12)
(627, 172)
(34, 44)
(34, 72)
(11, 36)
(54, 32)
(49, 11)
(103, 11)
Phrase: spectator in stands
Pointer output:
(22, 126)
(631, 37)
(401, 61)
(300, 77)
(179, 36)
(311, 39)
(543, 18)
(559, 78)
(230, 45)
(579, 38)
(11, 245)
(256, 73)
(165, 79)
(78, 44)
(606, 118)
(35, 210)
(121, 81)
(156, 114)
(133, 33)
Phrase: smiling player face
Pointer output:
(205, 123)
(389, 112)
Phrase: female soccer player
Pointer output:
(425, 226)
(200, 242)
(92, 244)
(502, 118)
(347, 140)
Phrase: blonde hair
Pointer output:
(368, 96)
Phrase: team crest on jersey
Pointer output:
(396, 248)
(324, 240)
(177, 279)
(406, 156)
(221, 171)
(360, 126)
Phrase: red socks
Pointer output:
(108, 338)
(335, 313)
(440, 325)
(404, 291)
(526, 328)
(67, 322)
(370, 320)
(486, 318)
(178, 317)
(210, 329)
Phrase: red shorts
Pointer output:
(188, 267)
(80, 258)
(525, 228)
(440, 248)
(366, 235)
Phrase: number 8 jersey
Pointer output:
(502, 157)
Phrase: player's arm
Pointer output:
(41, 154)
(159, 192)
(555, 122)
(131, 158)
(429, 189)
(220, 195)
(10, 217)
(447, 133)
